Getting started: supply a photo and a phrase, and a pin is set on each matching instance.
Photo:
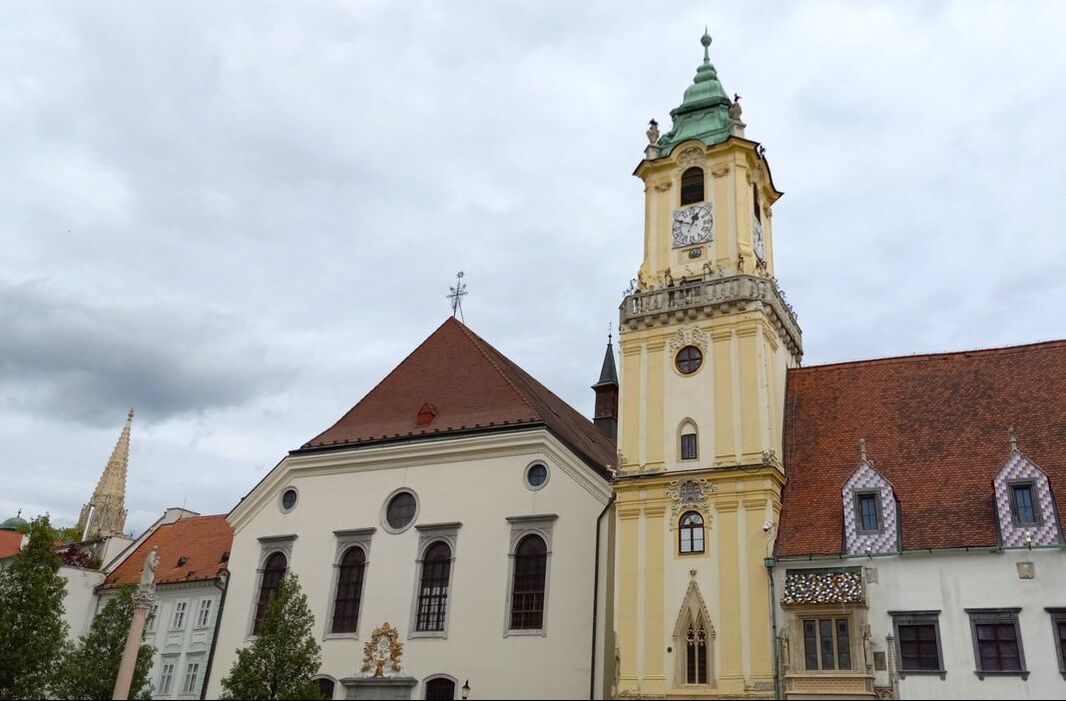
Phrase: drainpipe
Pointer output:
(596, 602)
(223, 580)
(769, 562)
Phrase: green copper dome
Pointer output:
(703, 113)
(14, 523)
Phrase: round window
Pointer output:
(688, 360)
(536, 475)
(288, 499)
(401, 510)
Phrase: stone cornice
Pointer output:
(714, 297)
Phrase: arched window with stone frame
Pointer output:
(692, 190)
(688, 437)
(274, 569)
(690, 533)
(693, 640)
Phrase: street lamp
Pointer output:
(466, 690)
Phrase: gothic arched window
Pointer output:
(349, 591)
(273, 572)
(692, 186)
(696, 654)
(433, 588)
(527, 594)
(689, 441)
(691, 533)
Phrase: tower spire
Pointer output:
(105, 514)
(606, 389)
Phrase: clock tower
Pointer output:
(706, 338)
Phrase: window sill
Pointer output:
(427, 634)
(341, 636)
(904, 673)
(1023, 673)
(525, 633)
(694, 552)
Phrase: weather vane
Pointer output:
(456, 294)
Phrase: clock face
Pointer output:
(693, 225)
(757, 239)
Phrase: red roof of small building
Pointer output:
(455, 382)
(10, 543)
(936, 426)
(190, 550)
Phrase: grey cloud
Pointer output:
(67, 358)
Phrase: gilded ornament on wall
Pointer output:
(381, 654)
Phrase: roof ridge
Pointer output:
(930, 356)
(481, 344)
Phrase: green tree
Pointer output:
(32, 630)
(89, 669)
(284, 658)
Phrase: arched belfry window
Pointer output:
(690, 534)
(349, 591)
(527, 595)
(692, 186)
(433, 588)
(273, 572)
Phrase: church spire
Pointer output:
(105, 514)
(606, 389)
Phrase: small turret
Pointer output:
(606, 388)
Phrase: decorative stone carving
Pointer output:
(691, 156)
(663, 187)
(382, 652)
(690, 493)
(653, 132)
(151, 564)
(688, 336)
(720, 171)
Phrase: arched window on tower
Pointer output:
(692, 186)
(690, 538)
(689, 441)
(273, 572)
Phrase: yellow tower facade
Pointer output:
(706, 338)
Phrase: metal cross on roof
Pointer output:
(456, 294)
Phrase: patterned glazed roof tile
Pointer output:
(471, 387)
(936, 426)
(200, 544)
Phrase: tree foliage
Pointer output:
(32, 630)
(284, 658)
(89, 669)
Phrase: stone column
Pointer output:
(143, 599)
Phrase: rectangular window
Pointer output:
(868, 506)
(1023, 507)
(997, 642)
(688, 446)
(918, 638)
(755, 202)
(166, 677)
(192, 674)
(826, 643)
(1058, 629)
(204, 614)
(178, 621)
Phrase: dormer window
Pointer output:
(692, 186)
(868, 512)
(1022, 505)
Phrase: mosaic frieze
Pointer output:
(886, 540)
(835, 586)
(1019, 469)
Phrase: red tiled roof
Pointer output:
(201, 540)
(937, 426)
(470, 386)
(10, 543)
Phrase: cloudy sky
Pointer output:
(238, 217)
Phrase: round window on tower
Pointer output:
(400, 511)
(288, 499)
(536, 475)
(688, 360)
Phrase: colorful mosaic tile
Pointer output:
(886, 540)
(1018, 467)
(824, 586)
